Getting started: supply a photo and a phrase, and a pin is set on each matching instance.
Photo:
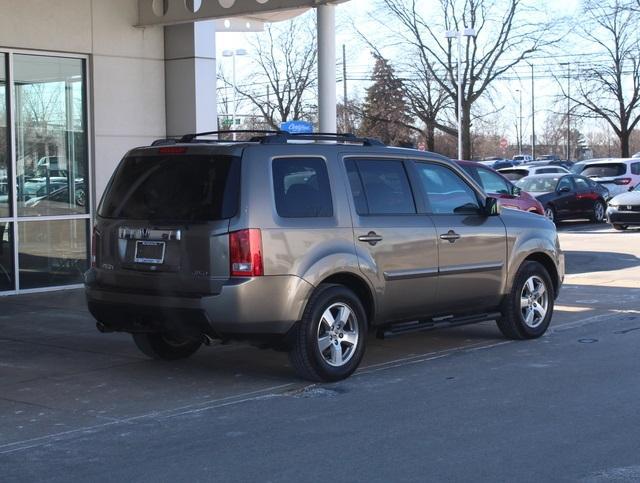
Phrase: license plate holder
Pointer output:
(150, 252)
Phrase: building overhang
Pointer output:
(230, 15)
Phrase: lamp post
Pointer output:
(451, 34)
(519, 91)
(233, 54)
(568, 109)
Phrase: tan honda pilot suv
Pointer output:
(307, 243)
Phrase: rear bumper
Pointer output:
(252, 306)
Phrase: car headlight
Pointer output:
(613, 205)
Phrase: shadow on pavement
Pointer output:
(585, 262)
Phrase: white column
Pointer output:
(190, 78)
(327, 68)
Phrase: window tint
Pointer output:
(173, 188)
(446, 192)
(582, 184)
(386, 187)
(635, 168)
(514, 174)
(493, 183)
(565, 183)
(302, 188)
(604, 170)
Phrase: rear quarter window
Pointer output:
(301, 188)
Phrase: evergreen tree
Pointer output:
(385, 112)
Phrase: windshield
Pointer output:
(577, 168)
(538, 185)
(604, 170)
(173, 188)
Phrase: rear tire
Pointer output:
(166, 347)
(527, 310)
(598, 212)
(550, 213)
(329, 342)
(619, 227)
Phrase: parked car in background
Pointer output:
(497, 163)
(567, 196)
(548, 158)
(617, 175)
(519, 172)
(37, 187)
(496, 185)
(637, 155)
(522, 158)
(624, 209)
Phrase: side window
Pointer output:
(446, 192)
(565, 183)
(582, 184)
(302, 188)
(380, 187)
(635, 168)
(493, 183)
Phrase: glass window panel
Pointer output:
(302, 188)
(7, 278)
(386, 187)
(52, 253)
(5, 162)
(446, 191)
(50, 135)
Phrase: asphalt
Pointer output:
(461, 404)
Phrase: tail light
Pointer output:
(622, 181)
(245, 253)
(94, 247)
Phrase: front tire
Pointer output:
(527, 310)
(329, 341)
(598, 212)
(166, 347)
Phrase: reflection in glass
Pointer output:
(52, 253)
(4, 143)
(50, 135)
(6, 257)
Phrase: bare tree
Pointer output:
(504, 38)
(281, 88)
(611, 91)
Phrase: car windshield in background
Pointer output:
(173, 188)
(538, 185)
(576, 168)
(604, 170)
(514, 174)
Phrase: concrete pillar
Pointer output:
(327, 67)
(190, 78)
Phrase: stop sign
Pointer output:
(504, 143)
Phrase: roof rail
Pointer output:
(187, 138)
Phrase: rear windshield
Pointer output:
(604, 170)
(173, 188)
(514, 174)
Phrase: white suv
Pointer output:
(618, 175)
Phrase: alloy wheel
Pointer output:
(598, 212)
(338, 334)
(534, 301)
(548, 213)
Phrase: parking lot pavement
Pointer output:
(457, 404)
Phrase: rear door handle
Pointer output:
(371, 238)
(451, 236)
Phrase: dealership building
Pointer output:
(84, 81)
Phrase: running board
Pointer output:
(401, 328)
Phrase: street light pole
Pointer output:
(568, 109)
(451, 34)
(533, 117)
(520, 147)
(233, 54)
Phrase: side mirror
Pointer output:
(516, 191)
(491, 206)
(564, 189)
(631, 188)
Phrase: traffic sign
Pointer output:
(504, 143)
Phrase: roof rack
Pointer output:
(273, 137)
(187, 138)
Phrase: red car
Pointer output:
(497, 186)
